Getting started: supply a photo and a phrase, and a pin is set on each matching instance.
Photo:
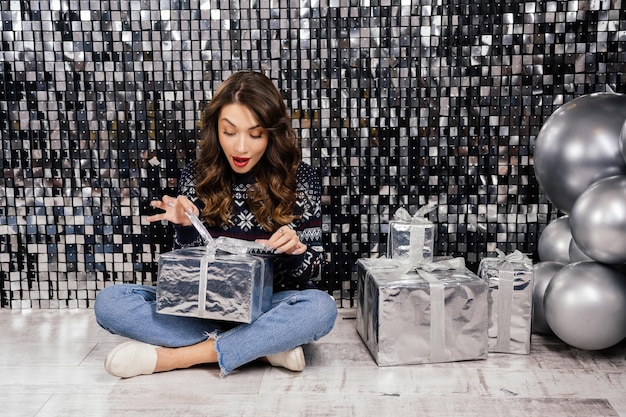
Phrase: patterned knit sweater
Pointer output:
(290, 271)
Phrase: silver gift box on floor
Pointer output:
(510, 280)
(412, 316)
(411, 238)
(194, 282)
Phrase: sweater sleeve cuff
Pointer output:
(185, 235)
(291, 261)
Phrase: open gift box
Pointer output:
(228, 279)
(232, 287)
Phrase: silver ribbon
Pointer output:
(207, 258)
(442, 265)
(506, 281)
(438, 352)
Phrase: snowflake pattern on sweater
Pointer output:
(290, 271)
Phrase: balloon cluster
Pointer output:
(579, 292)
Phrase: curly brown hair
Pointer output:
(272, 198)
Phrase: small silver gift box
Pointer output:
(411, 238)
(413, 316)
(230, 287)
(510, 280)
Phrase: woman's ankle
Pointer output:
(184, 357)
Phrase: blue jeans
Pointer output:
(296, 318)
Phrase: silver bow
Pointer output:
(226, 244)
(515, 256)
(419, 216)
(443, 265)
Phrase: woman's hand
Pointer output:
(285, 240)
(174, 210)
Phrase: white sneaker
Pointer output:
(290, 359)
(131, 359)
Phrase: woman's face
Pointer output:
(242, 139)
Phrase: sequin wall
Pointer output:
(398, 103)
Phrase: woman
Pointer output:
(248, 182)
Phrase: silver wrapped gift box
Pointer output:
(411, 238)
(409, 315)
(510, 280)
(218, 285)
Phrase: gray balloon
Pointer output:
(598, 220)
(579, 145)
(543, 273)
(585, 305)
(622, 140)
(575, 254)
(554, 241)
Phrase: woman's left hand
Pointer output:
(285, 240)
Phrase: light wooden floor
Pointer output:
(51, 365)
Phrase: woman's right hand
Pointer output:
(174, 210)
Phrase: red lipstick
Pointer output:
(240, 162)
